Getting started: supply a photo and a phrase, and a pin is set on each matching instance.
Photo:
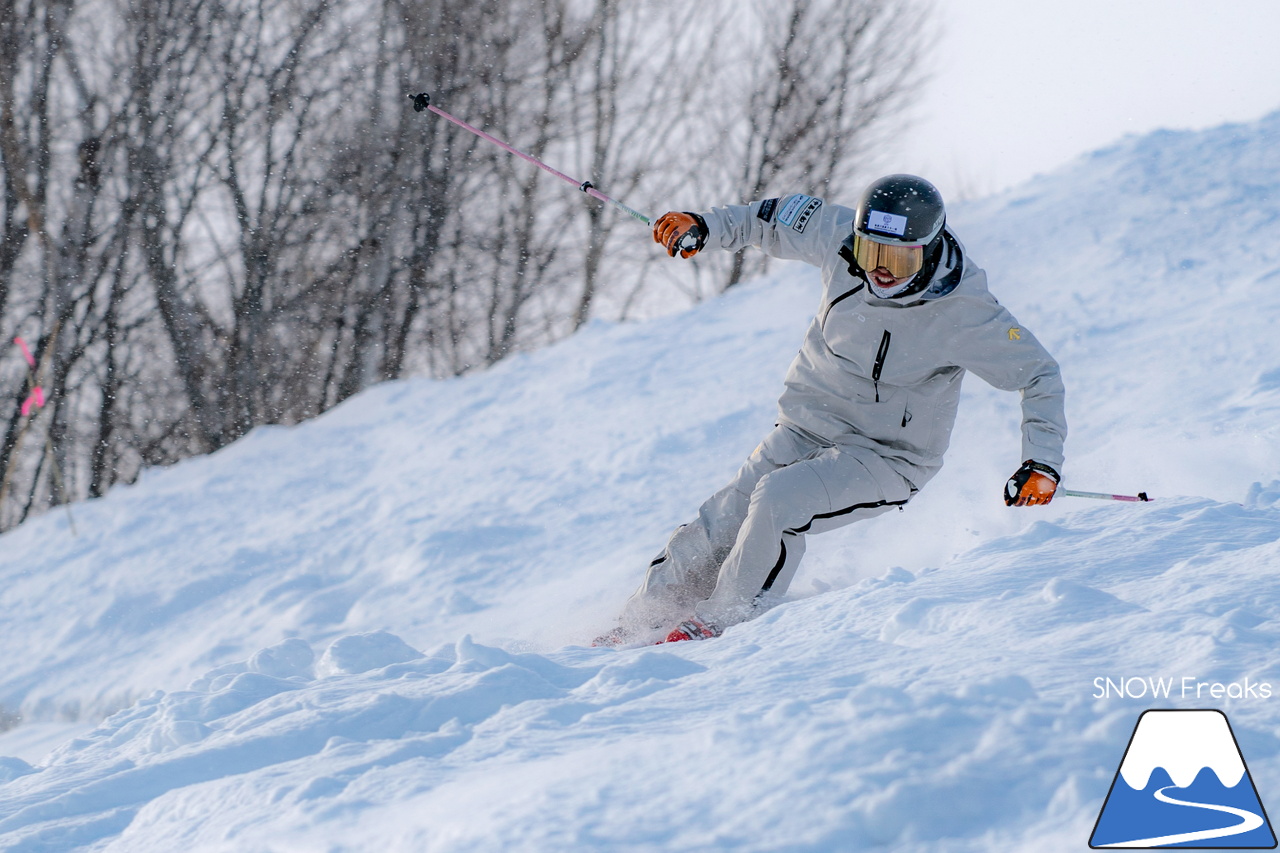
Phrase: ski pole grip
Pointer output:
(421, 102)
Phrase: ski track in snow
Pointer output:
(258, 617)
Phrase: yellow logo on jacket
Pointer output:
(1015, 334)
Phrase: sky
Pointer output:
(1019, 88)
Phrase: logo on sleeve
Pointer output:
(791, 210)
(766, 209)
(805, 215)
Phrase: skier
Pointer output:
(869, 401)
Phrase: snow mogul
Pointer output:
(868, 404)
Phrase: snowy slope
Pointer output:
(947, 710)
(366, 631)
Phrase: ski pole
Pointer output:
(422, 102)
(1102, 496)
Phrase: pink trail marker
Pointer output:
(26, 353)
(35, 400)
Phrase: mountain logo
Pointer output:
(1182, 783)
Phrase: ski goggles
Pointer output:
(900, 261)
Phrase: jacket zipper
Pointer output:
(881, 354)
(837, 301)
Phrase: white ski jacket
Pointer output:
(884, 374)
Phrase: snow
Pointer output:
(369, 631)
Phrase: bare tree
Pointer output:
(828, 82)
(59, 271)
(216, 214)
(630, 108)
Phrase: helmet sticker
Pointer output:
(889, 223)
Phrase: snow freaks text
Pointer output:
(1186, 687)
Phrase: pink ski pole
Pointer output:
(1141, 496)
(423, 102)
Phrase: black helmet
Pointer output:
(898, 224)
(900, 209)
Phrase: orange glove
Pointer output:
(685, 233)
(1032, 484)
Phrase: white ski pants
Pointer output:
(748, 537)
